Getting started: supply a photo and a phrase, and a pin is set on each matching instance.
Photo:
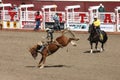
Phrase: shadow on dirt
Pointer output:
(50, 66)
(30, 66)
(57, 66)
(96, 51)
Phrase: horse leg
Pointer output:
(96, 46)
(91, 51)
(40, 62)
(102, 47)
(73, 43)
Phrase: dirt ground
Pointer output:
(16, 63)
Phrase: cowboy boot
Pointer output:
(41, 49)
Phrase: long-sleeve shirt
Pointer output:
(38, 17)
(96, 23)
(56, 18)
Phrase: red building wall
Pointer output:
(109, 6)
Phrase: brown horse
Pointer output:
(61, 41)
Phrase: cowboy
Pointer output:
(96, 24)
(43, 44)
(49, 34)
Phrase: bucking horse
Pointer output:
(63, 40)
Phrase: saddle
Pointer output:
(43, 46)
(100, 34)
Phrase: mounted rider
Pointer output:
(96, 23)
(49, 34)
(49, 38)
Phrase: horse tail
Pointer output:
(68, 33)
(105, 37)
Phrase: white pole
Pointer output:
(21, 18)
(3, 13)
(117, 19)
(43, 18)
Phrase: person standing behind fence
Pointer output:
(38, 19)
(101, 8)
(57, 22)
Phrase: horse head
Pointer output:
(91, 29)
(33, 51)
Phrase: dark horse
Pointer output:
(61, 41)
(95, 38)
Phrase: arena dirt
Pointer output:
(69, 63)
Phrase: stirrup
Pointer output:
(39, 50)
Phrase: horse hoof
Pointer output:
(41, 66)
(91, 51)
(74, 44)
(97, 49)
(101, 50)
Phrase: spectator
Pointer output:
(57, 22)
(101, 8)
(11, 13)
(15, 8)
(38, 19)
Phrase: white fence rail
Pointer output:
(110, 21)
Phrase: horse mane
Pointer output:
(91, 29)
